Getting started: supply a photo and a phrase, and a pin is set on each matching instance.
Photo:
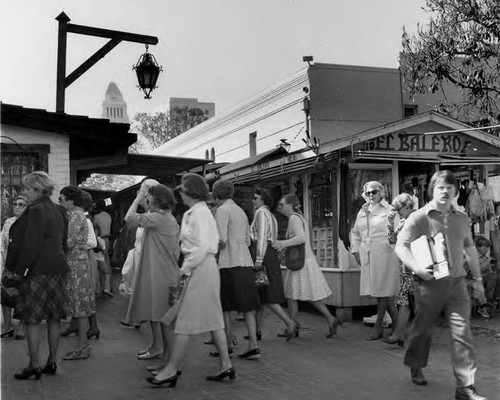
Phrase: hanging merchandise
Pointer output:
(475, 205)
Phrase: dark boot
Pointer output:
(93, 330)
(71, 329)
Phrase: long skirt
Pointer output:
(200, 309)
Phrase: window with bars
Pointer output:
(17, 162)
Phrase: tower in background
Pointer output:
(208, 109)
(114, 107)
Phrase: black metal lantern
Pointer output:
(147, 70)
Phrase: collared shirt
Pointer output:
(234, 236)
(454, 226)
(199, 236)
(263, 230)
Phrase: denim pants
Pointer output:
(431, 298)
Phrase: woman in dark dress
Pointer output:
(263, 231)
(37, 252)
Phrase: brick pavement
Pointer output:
(311, 367)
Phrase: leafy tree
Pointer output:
(457, 52)
(158, 128)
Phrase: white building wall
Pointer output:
(274, 114)
(58, 158)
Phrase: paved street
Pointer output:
(313, 367)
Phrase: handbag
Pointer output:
(10, 288)
(261, 278)
(295, 256)
(175, 296)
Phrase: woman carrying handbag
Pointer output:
(263, 231)
(307, 283)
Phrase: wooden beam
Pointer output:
(107, 33)
(85, 66)
(63, 20)
(116, 159)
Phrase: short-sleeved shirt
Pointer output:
(454, 226)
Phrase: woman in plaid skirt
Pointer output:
(37, 253)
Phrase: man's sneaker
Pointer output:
(483, 312)
(468, 393)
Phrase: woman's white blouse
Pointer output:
(199, 236)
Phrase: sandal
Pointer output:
(81, 354)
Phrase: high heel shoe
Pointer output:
(394, 340)
(8, 333)
(27, 373)
(50, 368)
(230, 373)
(332, 329)
(172, 381)
(93, 333)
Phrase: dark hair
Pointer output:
(74, 194)
(294, 201)
(496, 204)
(195, 186)
(265, 196)
(223, 189)
(481, 241)
(100, 205)
(87, 201)
(445, 175)
(163, 196)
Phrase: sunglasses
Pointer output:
(19, 205)
(373, 192)
(61, 198)
(400, 208)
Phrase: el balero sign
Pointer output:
(416, 142)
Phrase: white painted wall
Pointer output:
(59, 151)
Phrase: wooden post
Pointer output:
(61, 61)
(116, 37)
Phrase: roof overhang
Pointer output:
(252, 161)
(149, 165)
(426, 137)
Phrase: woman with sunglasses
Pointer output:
(371, 248)
(403, 205)
(18, 208)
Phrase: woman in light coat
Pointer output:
(378, 261)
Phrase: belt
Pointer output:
(105, 237)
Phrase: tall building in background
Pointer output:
(180, 102)
(114, 107)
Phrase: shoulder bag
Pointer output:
(295, 256)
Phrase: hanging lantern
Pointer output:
(147, 70)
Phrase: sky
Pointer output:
(220, 51)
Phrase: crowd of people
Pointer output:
(189, 279)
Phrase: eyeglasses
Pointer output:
(373, 192)
(15, 205)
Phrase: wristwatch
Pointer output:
(479, 279)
